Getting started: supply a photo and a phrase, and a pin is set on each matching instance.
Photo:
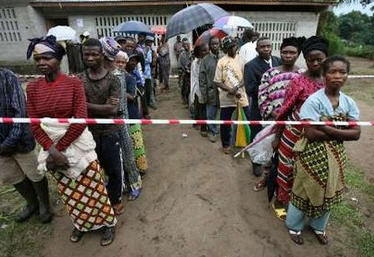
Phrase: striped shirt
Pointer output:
(63, 98)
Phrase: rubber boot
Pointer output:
(41, 189)
(27, 191)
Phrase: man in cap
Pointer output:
(150, 63)
(208, 89)
(229, 80)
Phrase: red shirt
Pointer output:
(63, 98)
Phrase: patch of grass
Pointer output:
(21, 239)
(350, 217)
(342, 211)
(360, 89)
(366, 244)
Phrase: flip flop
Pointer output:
(133, 194)
(260, 185)
(280, 213)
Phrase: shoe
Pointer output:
(108, 236)
(212, 138)
(321, 236)
(27, 191)
(76, 235)
(203, 133)
(227, 150)
(118, 208)
(257, 169)
(147, 116)
(296, 237)
(41, 189)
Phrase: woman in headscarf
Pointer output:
(270, 98)
(320, 156)
(315, 51)
(68, 151)
(113, 55)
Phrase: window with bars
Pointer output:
(276, 31)
(9, 29)
(105, 24)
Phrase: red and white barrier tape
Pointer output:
(174, 76)
(179, 122)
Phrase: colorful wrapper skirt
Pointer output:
(86, 199)
(137, 139)
(291, 134)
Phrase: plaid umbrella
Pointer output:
(193, 17)
(133, 27)
(208, 34)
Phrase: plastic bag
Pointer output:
(261, 151)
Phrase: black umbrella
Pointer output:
(193, 17)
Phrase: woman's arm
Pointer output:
(349, 134)
(314, 133)
(41, 137)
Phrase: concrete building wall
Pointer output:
(31, 24)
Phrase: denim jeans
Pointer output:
(226, 113)
(211, 114)
(296, 220)
(108, 153)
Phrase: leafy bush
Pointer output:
(364, 51)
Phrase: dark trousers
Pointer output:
(226, 113)
(148, 91)
(200, 112)
(255, 115)
(108, 153)
(143, 102)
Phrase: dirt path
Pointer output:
(361, 153)
(196, 202)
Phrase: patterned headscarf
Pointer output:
(315, 43)
(110, 47)
(45, 45)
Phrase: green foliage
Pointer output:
(357, 28)
(366, 244)
(365, 51)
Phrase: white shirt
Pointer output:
(247, 53)
(194, 86)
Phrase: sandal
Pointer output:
(76, 235)
(134, 194)
(296, 237)
(260, 185)
(280, 212)
(321, 236)
(108, 236)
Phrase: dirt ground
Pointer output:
(198, 202)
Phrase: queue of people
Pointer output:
(94, 166)
(301, 167)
